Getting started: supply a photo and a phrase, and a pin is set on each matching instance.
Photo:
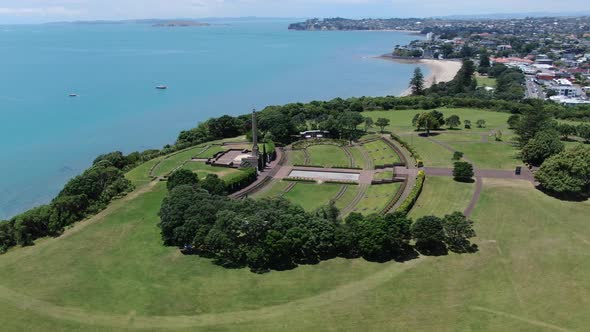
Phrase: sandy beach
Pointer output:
(440, 70)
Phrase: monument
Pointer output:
(252, 160)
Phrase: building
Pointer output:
(313, 134)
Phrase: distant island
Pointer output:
(152, 22)
(172, 24)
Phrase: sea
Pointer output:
(230, 67)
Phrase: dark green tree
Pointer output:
(182, 177)
(214, 185)
(429, 235)
(567, 173)
(544, 145)
(417, 82)
(382, 123)
(513, 121)
(481, 123)
(458, 230)
(463, 171)
(467, 124)
(453, 121)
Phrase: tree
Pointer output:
(583, 131)
(532, 122)
(467, 124)
(214, 185)
(382, 123)
(566, 130)
(544, 145)
(463, 171)
(417, 82)
(481, 123)
(484, 60)
(458, 230)
(453, 121)
(429, 235)
(513, 121)
(428, 121)
(182, 177)
(457, 155)
(368, 123)
(567, 173)
(350, 121)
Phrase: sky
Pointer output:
(36, 11)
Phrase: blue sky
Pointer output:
(31, 11)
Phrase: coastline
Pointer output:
(440, 70)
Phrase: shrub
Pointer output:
(409, 202)
(457, 155)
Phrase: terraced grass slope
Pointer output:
(328, 156)
(381, 153)
(111, 273)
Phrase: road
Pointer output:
(533, 90)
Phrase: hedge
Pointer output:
(413, 197)
(241, 181)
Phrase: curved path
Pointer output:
(357, 199)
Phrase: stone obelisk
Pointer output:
(255, 149)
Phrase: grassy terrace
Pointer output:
(377, 198)
(381, 153)
(312, 196)
(328, 156)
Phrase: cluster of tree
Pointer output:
(212, 183)
(565, 173)
(82, 196)
(428, 121)
(283, 123)
(275, 234)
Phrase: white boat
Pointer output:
(161, 87)
(73, 95)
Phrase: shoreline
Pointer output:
(440, 70)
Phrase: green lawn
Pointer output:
(312, 196)
(295, 157)
(377, 198)
(328, 156)
(358, 158)
(381, 153)
(401, 121)
(384, 175)
(274, 189)
(205, 153)
(458, 136)
(112, 274)
(490, 155)
(348, 197)
(174, 161)
(442, 195)
(485, 81)
(140, 175)
(432, 154)
(203, 169)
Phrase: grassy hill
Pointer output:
(111, 272)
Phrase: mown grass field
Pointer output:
(483, 81)
(401, 120)
(312, 196)
(377, 198)
(442, 195)
(490, 155)
(111, 273)
(328, 156)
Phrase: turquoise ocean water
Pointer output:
(47, 137)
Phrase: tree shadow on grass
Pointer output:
(465, 180)
(568, 197)
(432, 248)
